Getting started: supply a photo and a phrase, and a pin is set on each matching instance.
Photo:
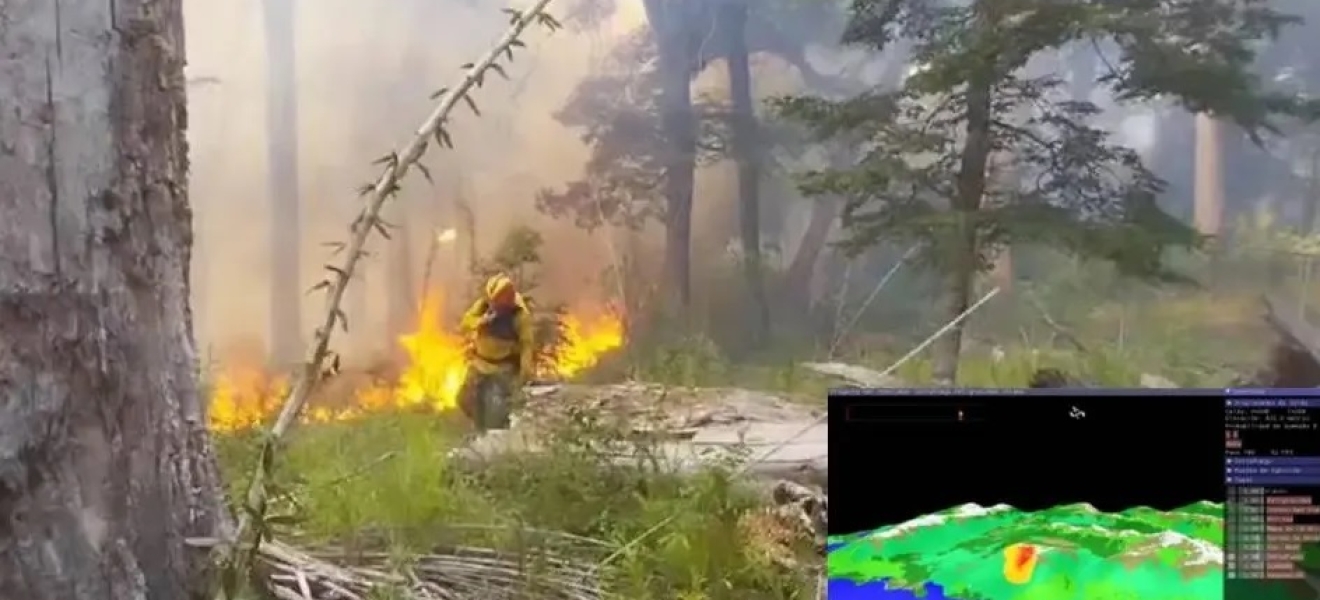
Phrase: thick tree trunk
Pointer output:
(961, 251)
(680, 129)
(747, 153)
(1209, 187)
(282, 160)
(105, 463)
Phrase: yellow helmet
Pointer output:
(497, 285)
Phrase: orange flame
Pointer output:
(243, 397)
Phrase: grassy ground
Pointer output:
(387, 481)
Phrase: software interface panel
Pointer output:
(1095, 495)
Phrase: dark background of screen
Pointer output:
(1027, 452)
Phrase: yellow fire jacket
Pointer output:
(501, 337)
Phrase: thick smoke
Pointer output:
(365, 70)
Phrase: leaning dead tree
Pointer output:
(243, 550)
(105, 464)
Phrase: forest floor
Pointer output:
(651, 482)
(644, 477)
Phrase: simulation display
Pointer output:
(1053, 494)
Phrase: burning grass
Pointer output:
(245, 395)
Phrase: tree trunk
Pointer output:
(961, 258)
(1311, 200)
(465, 218)
(356, 298)
(797, 283)
(402, 291)
(1209, 187)
(105, 463)
(747, 153)
(282, 166)
(1002, 274)
(679, 124)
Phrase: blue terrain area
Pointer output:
(846, 589)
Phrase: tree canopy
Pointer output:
(981, 140)
(615, 112)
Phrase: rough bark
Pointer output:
(747, 155)
(105, 462)
(679, 124)
(282, 160)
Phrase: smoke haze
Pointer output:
(364, 73)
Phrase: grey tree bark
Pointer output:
(105, 462)
(668, 19)
(282, 160)
(747, 153)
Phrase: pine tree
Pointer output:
(926, 167)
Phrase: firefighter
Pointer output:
(501, 352)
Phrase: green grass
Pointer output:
(386, 483)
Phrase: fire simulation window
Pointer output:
(1031, 493)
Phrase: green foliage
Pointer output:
(1261, 232)
(517, 255)
(616, 110)
(973, 110)
(388, 483)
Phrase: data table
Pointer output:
(1272, 484)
